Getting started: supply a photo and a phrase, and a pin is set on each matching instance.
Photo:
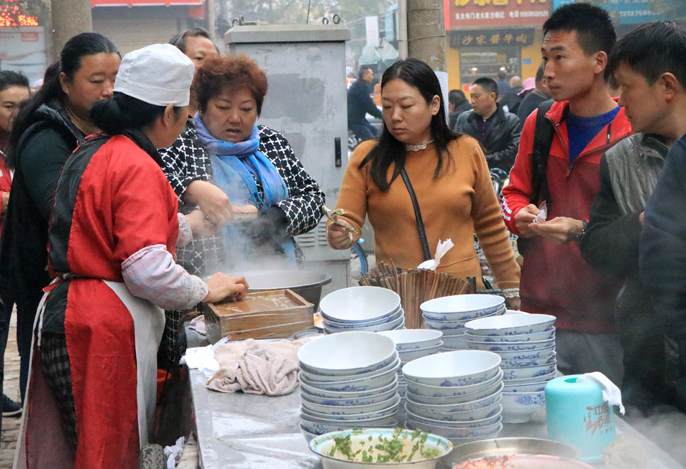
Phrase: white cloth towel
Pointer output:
(611, 393)
(257, 367)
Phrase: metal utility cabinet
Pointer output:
(305, 67)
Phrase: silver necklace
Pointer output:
(421, 146)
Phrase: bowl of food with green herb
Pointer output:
(374, 448)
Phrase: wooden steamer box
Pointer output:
(267, 314)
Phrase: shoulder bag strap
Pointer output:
(417, 214)
(543, 138)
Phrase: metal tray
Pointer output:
(508, 446)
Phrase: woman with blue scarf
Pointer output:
(224, 153)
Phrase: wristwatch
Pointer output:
(579, 236)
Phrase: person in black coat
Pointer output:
(497, 131)
(360, 103)
(535, 97)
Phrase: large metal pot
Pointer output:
(306, 284)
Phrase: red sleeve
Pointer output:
(516, 194)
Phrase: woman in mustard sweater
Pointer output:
(448, 173)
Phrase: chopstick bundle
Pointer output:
(415, 286)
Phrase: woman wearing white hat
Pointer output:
(113, 233)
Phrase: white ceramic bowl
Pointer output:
(349, 410)
(457, 417)
(409, 355)
(519, 407)
(356, 304)
(387, 412)
(518, 338)
(538, 386)
(517, 363)
(314, 391)
(421, 408)
(527, 372)
(413, 339)
(386, 326)
(460, 307)
(346, 353)
(473, 396)
(373, 399)
(536, 354)
(454, 434)
(445, 325)
(324, 444)
(352, 325)
(316, 378)
(316, 426)
(460, 368)
(457, 342)
(514, 311)
(355, 384)
(535, 379)
(509, 346)
(308, 436)
(514, 324)
(419, 389)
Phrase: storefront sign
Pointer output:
(629, 11)
(491, 37)
(465, 13)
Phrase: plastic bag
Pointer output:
(441, 249)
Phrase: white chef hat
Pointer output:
(159, 74)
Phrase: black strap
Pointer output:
(418, 215)
(543, 138)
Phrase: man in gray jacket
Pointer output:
(497, 131)
(648, 65)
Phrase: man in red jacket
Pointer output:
(586, 121)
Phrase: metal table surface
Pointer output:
(247, 431)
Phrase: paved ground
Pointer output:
(10, 426)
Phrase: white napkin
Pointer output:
(441, 249)
(611, 392)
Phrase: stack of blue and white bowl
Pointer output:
(348, 380)
(412, 344)
(449, 315)
(455, 394)
(371, 309)
(526, 344)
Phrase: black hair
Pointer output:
(593, 26)
(123, 112)
(362, 70)
(488, 84)
(389, 150)
(9, 78)
(456, 97)
(502, 75)
(179, 40)
(74, 50)
(540, 74)
(651, 50)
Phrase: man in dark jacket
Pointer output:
(497, 131)
(535, 97)
(360, 103)
(457, 104)
(513, 98)
(657, 83)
